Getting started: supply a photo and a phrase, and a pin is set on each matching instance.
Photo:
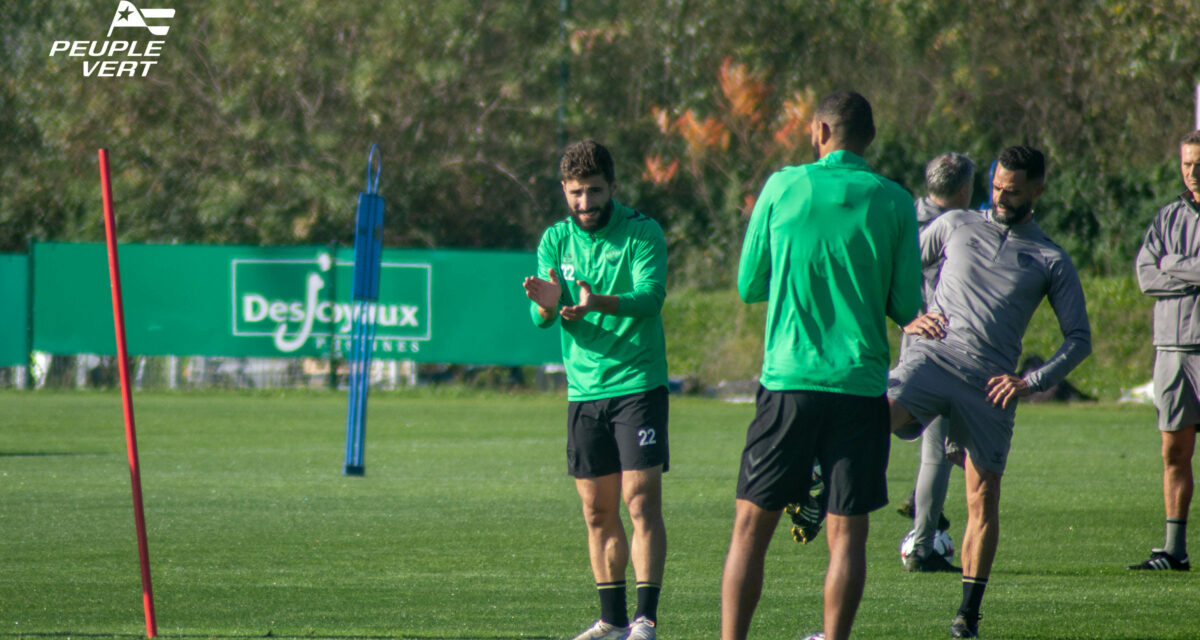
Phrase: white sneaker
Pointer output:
(815, 636)
(604, 631)
(642, 629)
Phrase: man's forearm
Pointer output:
(1069, 355)
(1183, 268)
(603, 303)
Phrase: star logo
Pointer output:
(129, 16)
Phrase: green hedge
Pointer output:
(712, 336)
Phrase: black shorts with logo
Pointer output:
(848, 435)
(609, 435)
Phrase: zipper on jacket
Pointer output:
(1003, 241)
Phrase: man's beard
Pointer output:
(598, 223)
(1013, 215)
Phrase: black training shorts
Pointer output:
(848, 434)
(609, 435)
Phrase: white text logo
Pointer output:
(267, 302)
(120, 58)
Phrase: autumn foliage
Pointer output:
(720, 152)
(746, 106)
(744, 90)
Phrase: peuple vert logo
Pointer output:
(121, 58)
(302, 305)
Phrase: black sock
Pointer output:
(972, 597)
(647, 600)
(612, 603)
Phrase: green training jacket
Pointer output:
(832, 248)
(605, 355)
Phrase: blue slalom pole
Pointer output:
(368, 253)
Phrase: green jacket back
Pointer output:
(832, 248)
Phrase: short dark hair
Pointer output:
(1027, 159)
(848, 115)
(947, 173)
(1193, 137)
(585, 159)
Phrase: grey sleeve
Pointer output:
(1158, 274)
(1183, 268)
(1070, 307)
(932, 240)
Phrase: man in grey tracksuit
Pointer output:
(949, 180)
(1168, 268)
(997, 266)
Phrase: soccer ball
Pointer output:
(942, 545)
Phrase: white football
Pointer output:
(942, 545)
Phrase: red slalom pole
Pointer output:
(135, 475)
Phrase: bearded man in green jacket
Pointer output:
(603, 271)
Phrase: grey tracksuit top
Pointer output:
(1168, 268)
(927, 212)
(992, 279)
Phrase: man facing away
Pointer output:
(996, 269)
(605, 269)
(832, 248)
(948, 181)
(1168, 268)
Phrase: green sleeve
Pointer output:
(754, 269)
(649, 271)
(546, 262)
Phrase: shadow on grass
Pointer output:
(287, 636)
(51, 454)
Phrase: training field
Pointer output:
(466, 525)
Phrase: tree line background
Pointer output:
(254, 125)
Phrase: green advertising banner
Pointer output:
(14, 322)
(463, 307)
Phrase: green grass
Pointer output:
(466, 525)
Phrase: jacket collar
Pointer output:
(844, 159)
(1186, 199)
(928, 210)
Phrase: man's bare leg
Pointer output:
(847, 573)
(607, 547)
(741, 583)
(982, 534)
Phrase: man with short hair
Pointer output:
(995, 270)
(1168, 268)
(612, 262)
(832, 248)
(949, 179)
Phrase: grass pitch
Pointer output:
(466, 525)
